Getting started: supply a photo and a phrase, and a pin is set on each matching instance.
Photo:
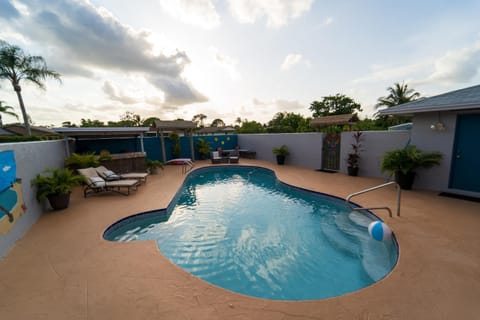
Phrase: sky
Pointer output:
(235, 58)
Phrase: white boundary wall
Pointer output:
(374, 145)
(305, 148)
(31, 158)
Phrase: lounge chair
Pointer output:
(233, 156)
(96, 184)
(216, 157)
(109, 175)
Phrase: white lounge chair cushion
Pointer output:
(110, 175)
(97, 181)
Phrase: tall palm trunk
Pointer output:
(18, 90)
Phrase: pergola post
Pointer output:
(162, 142)
(192, 149)
(141, 143)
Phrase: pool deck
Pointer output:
(63, 268)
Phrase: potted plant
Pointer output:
(203, 148)
(81, 161)
(354, 155)
(153, 165)
(403, 162)
(281, 153)
(56, 185)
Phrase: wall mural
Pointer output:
(12, 205)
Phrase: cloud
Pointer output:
(456, 66)
(227, 63)
(292, 60)
(328, 21)
(95, 40)
(8, 10)
(115, 94)
(277, 12)
(262, 110)
(200, 13)
(382, 73)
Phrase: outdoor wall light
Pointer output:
(439, 126)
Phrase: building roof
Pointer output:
(340, 119)
(20, 130)
(4, 132)
(215, 130)
(101, 131)
(174, 125)
(463, 99)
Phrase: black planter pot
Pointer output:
(405, 180)
(280, 160)
(59, 201)
(352, 171)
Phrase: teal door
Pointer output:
(465, 173)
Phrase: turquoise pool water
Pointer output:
(242, 229)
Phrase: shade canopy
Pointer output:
(339, 119)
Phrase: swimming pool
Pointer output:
(242, 229)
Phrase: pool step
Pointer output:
(374, 254)
(338, 239)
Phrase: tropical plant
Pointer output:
(281, 151)
(203, 148)
(5, 110)
(334, 105)
(153, 165)
(16, 66)
(176, 149)
(56, 185)
(354, 155)
(80, 161)
(403, 162)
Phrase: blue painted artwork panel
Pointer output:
(7, 170)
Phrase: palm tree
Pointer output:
(218, 123)
(15, 66)
(399, 94)
(4, 109)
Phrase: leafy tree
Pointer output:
(198, 118)
(129, 119)
(289, 122)
(333, 105)
(251, 127)
(218, 123)
(399, 93)
(149, 122)
(68, 124)
(91, 123)
(5, 110)
(15, 66)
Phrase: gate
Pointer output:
(331, 152)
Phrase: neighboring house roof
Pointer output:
(101, 131)
(463, 99)
(21, 131)
(340, 119)
(216, 130)
(174, 125)
(4, 132)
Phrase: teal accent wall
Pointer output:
(153, 146)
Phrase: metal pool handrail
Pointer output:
(347, 199)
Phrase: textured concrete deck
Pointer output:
(64, 269)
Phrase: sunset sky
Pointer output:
(235, 58)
